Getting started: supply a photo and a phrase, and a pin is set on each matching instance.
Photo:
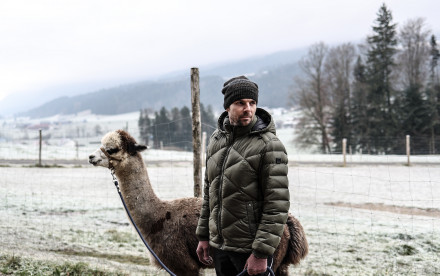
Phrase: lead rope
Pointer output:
(115, 181)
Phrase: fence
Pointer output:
(376, 216)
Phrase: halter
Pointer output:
(110, 158)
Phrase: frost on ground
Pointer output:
(359, 220)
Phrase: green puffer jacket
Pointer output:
(246, 190)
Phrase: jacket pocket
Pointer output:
(251, 218)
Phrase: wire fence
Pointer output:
(376, 216)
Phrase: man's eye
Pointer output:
(111, 151)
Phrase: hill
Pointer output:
(273, 73)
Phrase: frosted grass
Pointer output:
(75, 214)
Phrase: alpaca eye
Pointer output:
(111, 151)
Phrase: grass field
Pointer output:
(359, 220)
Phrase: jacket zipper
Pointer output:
(220, 190)
(260, 177)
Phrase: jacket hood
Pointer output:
(263, 122)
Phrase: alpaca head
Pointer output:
(118, 146)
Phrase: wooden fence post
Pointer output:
(77, 149)
(196, 131)
(408, 149)
(39, 150)
(344, 150)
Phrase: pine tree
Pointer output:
(416, 118)
(186, 131)
(144, 124)
(359, 104)
(176, 127)
(380, 64)
(209, 123)
(173, 128)
(161, 128)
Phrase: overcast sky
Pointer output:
(52, 43)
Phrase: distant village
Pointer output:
(88, 125)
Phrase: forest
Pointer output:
(372, 94)
(172, 129)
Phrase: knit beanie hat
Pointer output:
(239, 88)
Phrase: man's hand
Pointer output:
(255, 266)
(203, 252)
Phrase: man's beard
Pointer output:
(236, 121)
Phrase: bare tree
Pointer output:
(314, 100)
(414, 55)
(339, 74)
(433, 94)
(413, 59)
(433, 64)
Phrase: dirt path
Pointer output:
(428, 212)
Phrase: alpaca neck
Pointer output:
(136, 188)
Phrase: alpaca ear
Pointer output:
(139, 148)
(132, 149)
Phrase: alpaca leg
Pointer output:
(283, 270)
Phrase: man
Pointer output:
(246, 190)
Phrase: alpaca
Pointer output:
(169, 226)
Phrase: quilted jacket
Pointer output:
(246, 190)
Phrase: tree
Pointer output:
(186, 132)
(338, 72)
(314, 100)
(161, 128)
(359, 102)
(413, 60)
(414, 54)
(175, 127)
(145, 128)
(416, 116)
(433, 95)
(434, 55)
(380, 64)
(209, 122)
(98, 130)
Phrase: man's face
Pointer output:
(242, 112)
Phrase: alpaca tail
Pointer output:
(298, 246)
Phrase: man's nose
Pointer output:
(247, 106)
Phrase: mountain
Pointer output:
(273, 73)
(20, 102)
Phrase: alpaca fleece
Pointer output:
(169, 226)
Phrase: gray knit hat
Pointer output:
(239, 88)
